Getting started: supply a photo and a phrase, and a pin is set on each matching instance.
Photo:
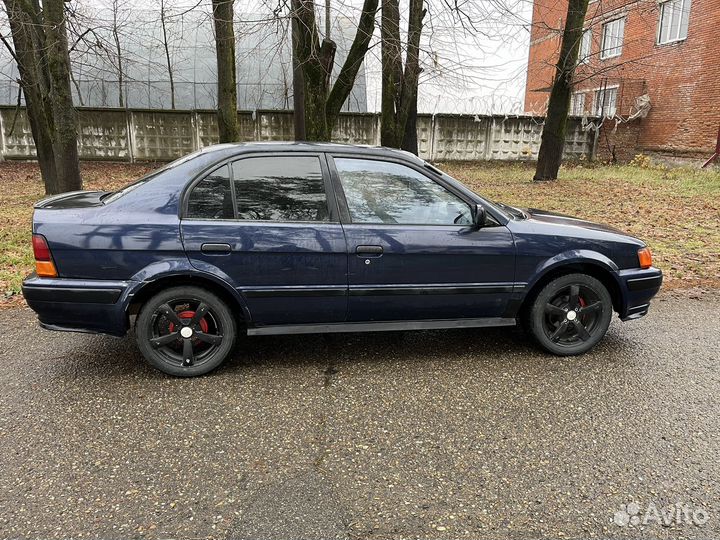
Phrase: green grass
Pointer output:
(676, 211)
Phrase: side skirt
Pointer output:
(379, 326)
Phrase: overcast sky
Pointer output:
(474, 63)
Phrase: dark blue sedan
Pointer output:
(283, 238)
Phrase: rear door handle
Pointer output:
(216, 249)
(369, 251)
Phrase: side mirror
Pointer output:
(479, 216)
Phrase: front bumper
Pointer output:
(639, 287)
(77, 305)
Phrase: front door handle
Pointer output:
(215, 249)
(369, 251)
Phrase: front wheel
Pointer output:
(570, 314)
(185, 331)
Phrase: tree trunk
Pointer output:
(166, 46)
(41, 52)
(118, 52)
(400, 87)
(298, 87)
(227, 87)
(553, 135)
(410, 138)
(67, 164)
(322, 104)
(391, 61)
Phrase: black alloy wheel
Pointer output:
(185, 331)
(570, 314)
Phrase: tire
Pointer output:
(185, 331)
(570, 315)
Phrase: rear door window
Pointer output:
(280, 188)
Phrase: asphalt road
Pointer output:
(443, 434)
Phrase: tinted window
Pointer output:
(211, 198)
(383, 192)
(287, 188)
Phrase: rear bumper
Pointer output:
(639, 287)
(76, 305)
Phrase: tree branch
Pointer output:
(346, 78)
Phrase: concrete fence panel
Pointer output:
(161, 135)
(103, 134)
(357, 129)
(458, 137)
(577, 142)
(425, 135)
(275, 126)
(514, 139)
(17, 141)
(207, 128)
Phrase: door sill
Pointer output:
(379, 326)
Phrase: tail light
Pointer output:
(44, 266)
(645, 257)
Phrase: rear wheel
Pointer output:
(570, 314)
(185, 331)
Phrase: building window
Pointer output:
(674, 21)
(585, 46)
(606, 102)
(577, 104)
(612, 38)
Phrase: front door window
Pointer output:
(390, 193)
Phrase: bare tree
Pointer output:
(41, 51)
(298, 84)
(166, 48)
(322, 102)
(118, 50)
(400, 86)
(227, 85)
(553, 134)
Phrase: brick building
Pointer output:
(666, 50)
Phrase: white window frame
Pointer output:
(596, 95)
(577, 98)
(586, 46)
(617, 49)
(667, 9)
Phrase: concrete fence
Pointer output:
(162, 135)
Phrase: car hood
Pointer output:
(544, 216)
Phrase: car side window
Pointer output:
(386, 192)
(211, 198)
(280, 188)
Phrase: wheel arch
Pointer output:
(146, 289)
(597, 266)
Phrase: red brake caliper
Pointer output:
(187, 315)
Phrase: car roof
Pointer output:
(292, 146)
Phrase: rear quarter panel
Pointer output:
(119, 239)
